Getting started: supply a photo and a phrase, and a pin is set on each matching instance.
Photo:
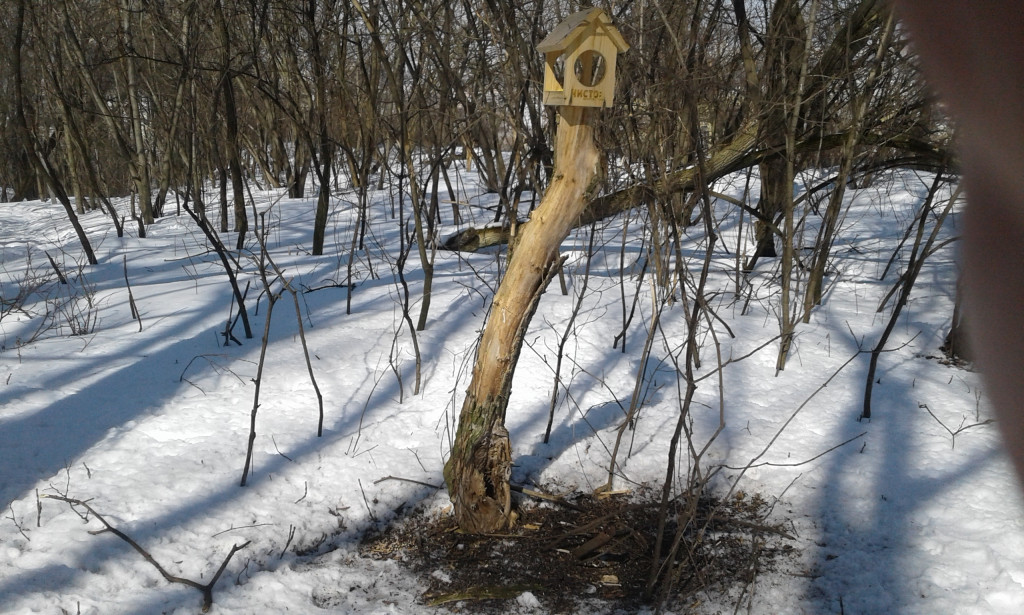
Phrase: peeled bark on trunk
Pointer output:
(477, 474)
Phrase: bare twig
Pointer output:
(805, 461)
(547, 497)
(914, 265)
(14, 518)
(406, 480)
(207, 589)
(366, 502)
(279, 450)
(60, 274)
(568, 330)
(131, 297)
(961, 429)
(291, 535)
(240, 527)
(286, 283)
(258, 380)
(222, 253)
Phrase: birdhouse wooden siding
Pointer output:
(588, 44)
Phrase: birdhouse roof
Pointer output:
(567, 33)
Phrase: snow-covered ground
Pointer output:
(151, 426)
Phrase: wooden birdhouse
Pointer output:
(579, 67)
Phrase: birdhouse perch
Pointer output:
(586, 44)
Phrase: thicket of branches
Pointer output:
(130, 97)
(194, 102)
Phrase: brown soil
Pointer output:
(586, 549)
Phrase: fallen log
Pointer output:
(739, 153)
(721, 163)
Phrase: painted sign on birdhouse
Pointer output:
(579, 54)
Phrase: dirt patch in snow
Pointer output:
(586, 549)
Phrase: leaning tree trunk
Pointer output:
(477, 474)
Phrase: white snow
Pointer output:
(150, 427)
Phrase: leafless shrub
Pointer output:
(17, 291)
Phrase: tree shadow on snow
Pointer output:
(868, 555)
(60, 433)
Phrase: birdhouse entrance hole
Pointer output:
(590, 68)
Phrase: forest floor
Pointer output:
(587, 553)
(806, 509)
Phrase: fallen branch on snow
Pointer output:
(206, 589)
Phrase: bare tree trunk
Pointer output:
(72, 161)
(231, 121)
(323, 161)
(166, 158)
(298, 172)
(830, 221)
(43, 169)
(426, 260)
(794, 64)
(323, 201)
(477, 473)
(78, 149)
(140, 170)
(956, 346)
(918, 254)
(72, 46)
(234, 164)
